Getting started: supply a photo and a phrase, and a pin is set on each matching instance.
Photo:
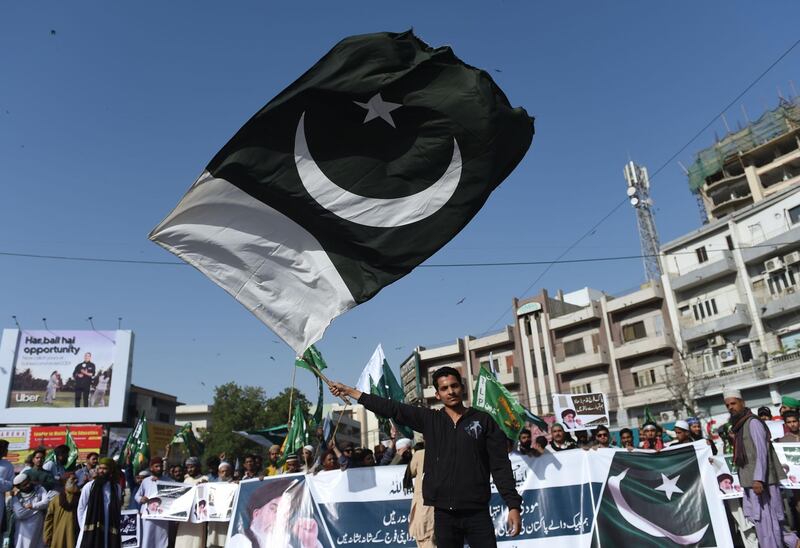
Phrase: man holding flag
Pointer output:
(463, 446)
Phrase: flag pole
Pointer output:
(327, 381)
(333, 436)
(291, 395)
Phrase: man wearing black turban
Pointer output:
(99, 509)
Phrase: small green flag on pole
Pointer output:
(72, 456)
(377, 378)
(313, 361)
(296, 438)
(186, 437)
(139, 450)
(493, 398)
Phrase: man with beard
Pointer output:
(61, 523)
(155, 533)
(192, 535)
(760, 473)
(29, 505)
(87, 471)
(525, 441)
(100, 508)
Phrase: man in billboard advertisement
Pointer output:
(46, 373)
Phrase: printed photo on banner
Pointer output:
(728, 482)
(173, 503)
(789, 456)
(213, 502)
(63, 369)
(580, 411)
(275, 511)
(129, 526)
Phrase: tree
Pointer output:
(239, 408)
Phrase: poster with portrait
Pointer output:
(129, 527)
(213, 502)
(727, 480)
(789, 456)
(276, 511)
(60, 376)
(580, 411)
(174, 502)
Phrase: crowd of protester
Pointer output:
(52, 507)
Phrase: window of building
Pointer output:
(702, 256)
(163, 417)
(780, 281)
(646, 377)
(705, 309)
(729, 241)
(710, 362)
(794, 214)
(633, 331)
(492, 364)
(580, 388)
(544, 361)
(573, 348)
(745, 352)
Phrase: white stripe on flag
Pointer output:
(374, 369)
(265, 260)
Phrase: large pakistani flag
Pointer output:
(352, 176)
(658, 499)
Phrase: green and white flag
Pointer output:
(72, 456)
(655, 500)
(185, 436)
(493, 398)
(297, 435)
(313, 361)
(377, 378)
(137, 450)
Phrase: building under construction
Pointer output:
(750, 164)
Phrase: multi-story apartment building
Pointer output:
(749, 165)
(734, 291)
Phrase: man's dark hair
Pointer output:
(625, 431)
(61, 450)
(764, 411)
(601, 428)
(213, 463)
(3, 444)
(541, 441)
(525, 431)
(92, 454)
(446, 371)
(786, 414)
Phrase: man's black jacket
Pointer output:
(458, 456)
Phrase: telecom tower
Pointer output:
(639, 194)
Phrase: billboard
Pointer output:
(64, 376)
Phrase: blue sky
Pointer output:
(106, 123)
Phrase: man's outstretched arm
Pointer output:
(401, 413)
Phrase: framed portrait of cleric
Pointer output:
(580, 411)
(60, 376)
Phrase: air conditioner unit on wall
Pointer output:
(716, 340)
(792, 258)
(727, 355)
(773, 264)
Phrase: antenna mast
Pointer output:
(639, 194)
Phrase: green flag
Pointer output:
(72, 456)
(139, 450)
(377, 378)
(653, 500)
(186, 437)
(647, 416)
(493, 398)
(296, 438)
(313, 361)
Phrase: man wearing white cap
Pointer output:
(760, 473)
(682, 433)
(29, 506)
(192, 535)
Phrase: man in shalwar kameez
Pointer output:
(760, 473)
(155, 533)
(100, 507)
(29, 506)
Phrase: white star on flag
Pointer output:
(669, 486)
(378, 108)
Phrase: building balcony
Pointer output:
(647, 395)
(647, 294)
(451, 350)
(745, 373)
(586, 360)
(770, 247)
(705, 274)
(784, 303)
(509, 379)
(739, 318)
(586, 313)
(645, 345)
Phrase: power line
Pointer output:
(558, 260)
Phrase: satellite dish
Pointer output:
(634, 201)
(631, 191)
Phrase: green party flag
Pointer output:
(313, 361)
(493, 398)
(648, 417)
(656, 499)
(124, 455)
(73, 451)
(296, 438)
(186, 437)
(139, 446)
(377, 378)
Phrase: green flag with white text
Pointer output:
(313, 361)
(493, 398)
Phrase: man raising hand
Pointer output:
(462, 447)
